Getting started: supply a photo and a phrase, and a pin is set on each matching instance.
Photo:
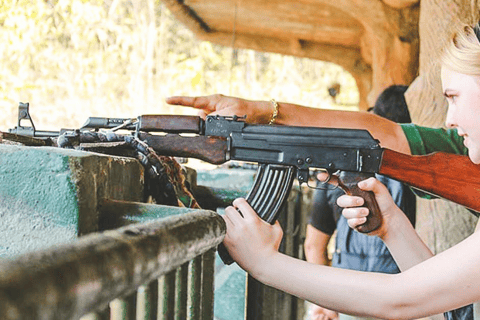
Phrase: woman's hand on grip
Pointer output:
(357, 215)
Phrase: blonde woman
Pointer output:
(428, 284)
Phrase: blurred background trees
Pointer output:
(77, 58)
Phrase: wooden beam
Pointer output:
(187, 16)
(279, 18)
(400, 4)
(347, 57)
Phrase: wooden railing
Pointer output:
(162, 269)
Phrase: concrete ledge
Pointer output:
(50, 195)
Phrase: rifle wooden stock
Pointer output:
(450, 176)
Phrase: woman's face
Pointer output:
(463, 95)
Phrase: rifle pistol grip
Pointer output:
(349, 185)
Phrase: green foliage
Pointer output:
(77, 58)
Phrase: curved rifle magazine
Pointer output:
(270, 191)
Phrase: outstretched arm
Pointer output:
(316, 251)
(444, 282)
(387, 132)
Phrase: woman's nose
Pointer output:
(450, 120)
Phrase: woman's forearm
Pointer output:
(316, 245)
(386, 296)
(404, 243)
(389, 133)
(452, 277)
(342, 290)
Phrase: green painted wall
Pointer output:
(40, 179)
(49, 195)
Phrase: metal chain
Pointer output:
(157, 183)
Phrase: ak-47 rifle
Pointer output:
(286, 152)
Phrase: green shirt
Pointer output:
(423, 140)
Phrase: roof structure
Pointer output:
(376, 41)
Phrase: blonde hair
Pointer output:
(462, 53)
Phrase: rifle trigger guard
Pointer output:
(334, 185)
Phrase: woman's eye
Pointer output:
(451, 98)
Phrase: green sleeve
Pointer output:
(423, 140)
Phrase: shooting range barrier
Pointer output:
(84, 276)
(78, 243)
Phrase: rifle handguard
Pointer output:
(270, 191)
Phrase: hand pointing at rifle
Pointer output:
(217, 104)
(389, 133)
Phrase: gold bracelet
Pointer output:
(275, 111)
